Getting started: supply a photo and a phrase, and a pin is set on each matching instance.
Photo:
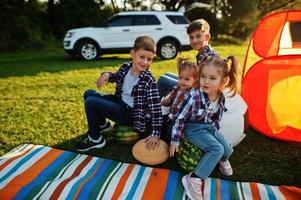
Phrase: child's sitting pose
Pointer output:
(135, 102)
(199, 118)
(188, 78)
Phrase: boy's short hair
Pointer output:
(199, 24)
(146, 43)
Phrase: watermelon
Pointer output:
(188, 155)
(125, 134)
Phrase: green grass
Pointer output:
(41, 102)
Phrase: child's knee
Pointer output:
(92, 102)
(88, 93)
(161, 81)
(88, 102)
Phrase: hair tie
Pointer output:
(184, 60)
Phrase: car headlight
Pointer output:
(69, 34)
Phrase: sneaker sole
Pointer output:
(93, 147)
(184, 182)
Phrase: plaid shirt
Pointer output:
(195, 108)
(146, 98)
(175, 100)
(208, 51)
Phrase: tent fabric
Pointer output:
(266, 38)
(272, 76)
(40, 172)
(274, 111)
(267, 35)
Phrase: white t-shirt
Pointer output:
(213, 106)
(128, 84)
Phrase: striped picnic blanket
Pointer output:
(39, 172)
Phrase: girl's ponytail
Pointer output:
(232, 73)
(182, 62)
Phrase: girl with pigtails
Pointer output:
(198, 119)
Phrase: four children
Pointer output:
(197, 103)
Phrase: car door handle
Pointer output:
(159, 29)
(126, 30)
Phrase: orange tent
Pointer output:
(271, 82)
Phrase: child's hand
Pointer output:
(102, 79)
(152, 142)
(165, 102)
(172, 149)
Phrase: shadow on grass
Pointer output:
(31, 64)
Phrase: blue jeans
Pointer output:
(166, 82)
(98, 107)
(212, 142)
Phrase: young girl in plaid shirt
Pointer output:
(188, 79)
(199, 118)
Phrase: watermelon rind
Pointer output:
(188, 155)
(125, 135)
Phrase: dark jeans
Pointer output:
(166, 82)
(166, 128)
(98, 107)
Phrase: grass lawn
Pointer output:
(41, 102)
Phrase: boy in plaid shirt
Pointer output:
(136, 99)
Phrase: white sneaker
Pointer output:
(193, 187)
(225, 168)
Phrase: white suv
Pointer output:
(168, 29)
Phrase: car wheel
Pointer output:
(88, 50)
(167, 49)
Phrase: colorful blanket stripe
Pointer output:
(38, 172)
